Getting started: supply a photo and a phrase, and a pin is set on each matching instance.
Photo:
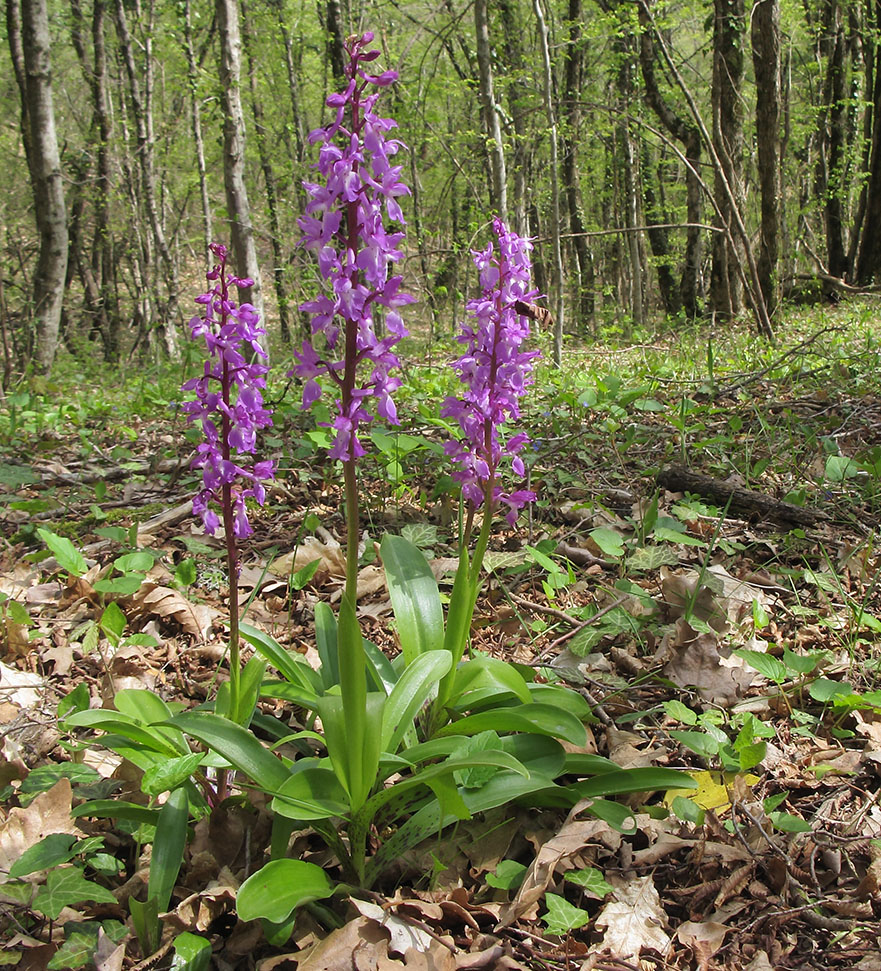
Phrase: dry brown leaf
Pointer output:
(360, 937)
(166, 603)
(634, 919)
(330, 555)
(25, 827)
(697, 662)
(704, 939)
(557, 852)
(19, 687)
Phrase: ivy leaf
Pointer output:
(51, 851)
(591, 881)
(562, 917)
(508, 875)
(66, 887)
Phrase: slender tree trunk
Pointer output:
(196, 126)
(335, 43)
(658, 236)
(765, 33)
(140, 98)
(583, 269)
(551, 117)
(489, 111)
(689, 136)
(238, 207)
(519, 102)
(269, 180)
(46, 177)
(728, 255)
(868, 268)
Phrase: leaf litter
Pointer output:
(780, 867)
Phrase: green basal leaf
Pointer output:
(622, 781)
(540, 719)
(698, 742)
(150, 738)
(237, 745)
(415, 598)
(609, 541)
(281, 886)
(120, 586)
(490, 675)
(116, 809)
(771, 667)
(191, 953)
(354, 754)
(292, 667)
(113, 621)
(68, 556)
(168, 848)
(415, 688)
(326, 644)
(619, 817)
(312, 793)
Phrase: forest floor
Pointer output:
(635, 592)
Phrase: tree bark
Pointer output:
(238, 207)
(582, 265)
(868, 268)
(196, 126)
(490, 112)
(269, 181)
(765, 36)
(728, 254)
(46, 178)
(689, 135)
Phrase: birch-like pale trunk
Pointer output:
(46, 180)
(241, 227)
(196, 125)
(490, 111)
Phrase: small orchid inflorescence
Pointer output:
(344, 226)
(496, 374)
(228, 392)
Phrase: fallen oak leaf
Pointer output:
(634, 919)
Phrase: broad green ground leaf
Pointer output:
(541, 719)
(622, 781)
(116, 809)
(413, 690)
(168, 847)
(508, 875)
(65, 887)
(290, 666)
(312, 793)
(51, 851)
(68, 556)
(44, 777)
(766, 664)
(609, 541)
(281, 886)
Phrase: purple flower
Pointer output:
(228, 403)
(495, 372)
(345, 226)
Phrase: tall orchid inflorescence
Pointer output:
(229, 405)
(496, 372)
(344, 226)
(228, 393)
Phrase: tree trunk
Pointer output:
(658, 236)
(490, 112)
(728, 255)
(689, 136)
(196, 125)
(765, 35)
(238, 208)
(269, 180)
(582, 265)
(46, 176)
(868, 268)
(142, 114)
(520, 102)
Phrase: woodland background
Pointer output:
(674, 159)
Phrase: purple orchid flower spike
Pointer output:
(496, 373)
(229, 404)
(345, 226)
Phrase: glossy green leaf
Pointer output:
(419, 616)
(326, 644)
(281, 886)
(293, 667)
(116, 809)
(191, 953)
(633, 780)
(562, 917)
(413, 690)
(112, 721)
(168, 848)
(237, 745)
(145, 918)
(312, 793)
(485, 672)
(541, 719)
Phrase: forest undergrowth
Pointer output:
(731, 633)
